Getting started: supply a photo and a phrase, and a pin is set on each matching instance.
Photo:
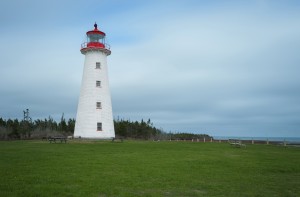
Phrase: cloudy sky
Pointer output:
(225, 68)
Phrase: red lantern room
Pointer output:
(95, 42)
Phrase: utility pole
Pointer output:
(27, 118)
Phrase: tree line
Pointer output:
(22, 129)
(136, 129)
(147, 131)
(37, 129)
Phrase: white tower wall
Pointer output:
(88, 115)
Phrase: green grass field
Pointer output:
(139, 168)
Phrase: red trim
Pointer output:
(95, 44)
(85, 49)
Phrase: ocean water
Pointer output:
(278, 139)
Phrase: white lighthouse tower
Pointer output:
(94, 113)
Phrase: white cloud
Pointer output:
(206, 68)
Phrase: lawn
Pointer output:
(146, 168)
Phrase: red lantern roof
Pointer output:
(95, 31)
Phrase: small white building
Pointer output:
(94, 113)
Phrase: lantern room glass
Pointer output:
(95, 38)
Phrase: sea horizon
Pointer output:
(288, 139)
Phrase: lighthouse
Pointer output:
(94, 113)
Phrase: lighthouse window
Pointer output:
(99, 126)
(98, 65)
(98, 83)
(98, 105)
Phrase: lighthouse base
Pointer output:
(94, 138)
